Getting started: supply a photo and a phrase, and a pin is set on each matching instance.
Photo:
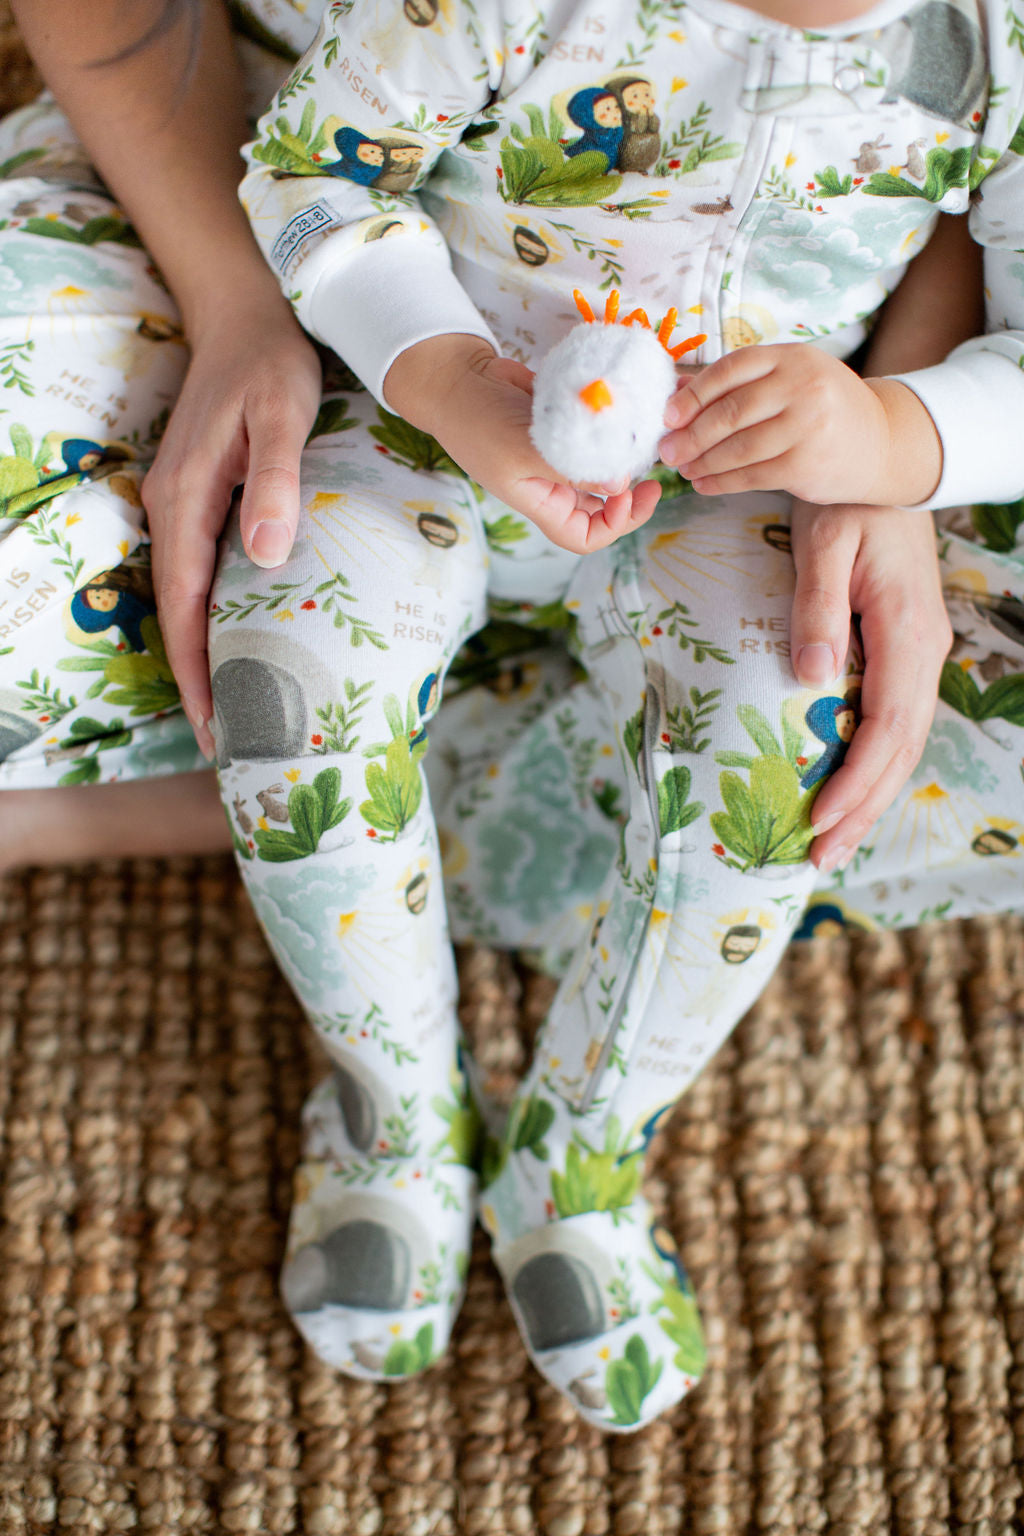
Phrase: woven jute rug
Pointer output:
(846, 1182)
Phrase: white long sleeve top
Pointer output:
(442, 166)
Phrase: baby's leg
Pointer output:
(684, 630)
(325, 674)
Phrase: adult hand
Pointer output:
(478, 407)
(794, 418)
(246, 408)
(880, 563)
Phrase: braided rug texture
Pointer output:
(846, 1182)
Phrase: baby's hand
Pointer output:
(478, 407)
(793, 418)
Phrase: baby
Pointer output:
(638, 806)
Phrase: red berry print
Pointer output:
(308, 604)
(717, 848)
(317, 740)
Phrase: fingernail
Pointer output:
(819, 828)
(847, 856)
(816, 665)
(270, 544)
(836, 858)
(201, 727)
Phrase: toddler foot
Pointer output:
(380, 1231)
(605, 1308)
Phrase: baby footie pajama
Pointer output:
(431, 719)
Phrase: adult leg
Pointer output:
(92, 355)
(142, 819)
(325, 675)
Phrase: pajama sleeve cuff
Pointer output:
(976, 400)
(383, 298)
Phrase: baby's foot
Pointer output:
(381, 1228)
(606, 1310)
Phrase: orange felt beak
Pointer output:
(596, 395)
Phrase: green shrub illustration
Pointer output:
(682, 1326)
(997, 525)
(1001, 700)
(944, 168)
(409, 446)
(396, 789)
(673, 811)
(23, 484)
(86, 732)
(463, 1121)
(600, 1181)
(297, 151)
(505, 530)
(142, 680)
(536, 171)
(408, 1355)
(535, 168)
(102, 227)
(314, 809)
(769, 820)
(831, 184)
(630, 1380)
(332, 417)
(533, 1119)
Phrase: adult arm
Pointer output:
(165, 138)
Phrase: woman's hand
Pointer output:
(246, 408)
(478, 407)
(880, 563)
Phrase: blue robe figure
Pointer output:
(80, 454)
(822, 719)
(122, 607)
(607, 139)
(426, 702)
(352, 166)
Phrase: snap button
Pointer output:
(848, 78)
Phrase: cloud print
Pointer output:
(806, 255)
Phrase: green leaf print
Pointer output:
(464, 1125)
(408, 1355)
(997, 525)
(767, 822)
(673, 811)
(682, 1325)
(629, 1381)
(537, 1118)
(944, 169)
(142, 680)
(831, 184)
(332, 417)
(313, 810)
(409, 446)
(1001, 700)
(102, 228)
(598, 1182)
(537, 171)
(505, 531)
(15, 163)
(396, 789)
(757, 727)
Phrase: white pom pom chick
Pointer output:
(599, 395)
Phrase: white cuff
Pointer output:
(976, 400)
(383, 298)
